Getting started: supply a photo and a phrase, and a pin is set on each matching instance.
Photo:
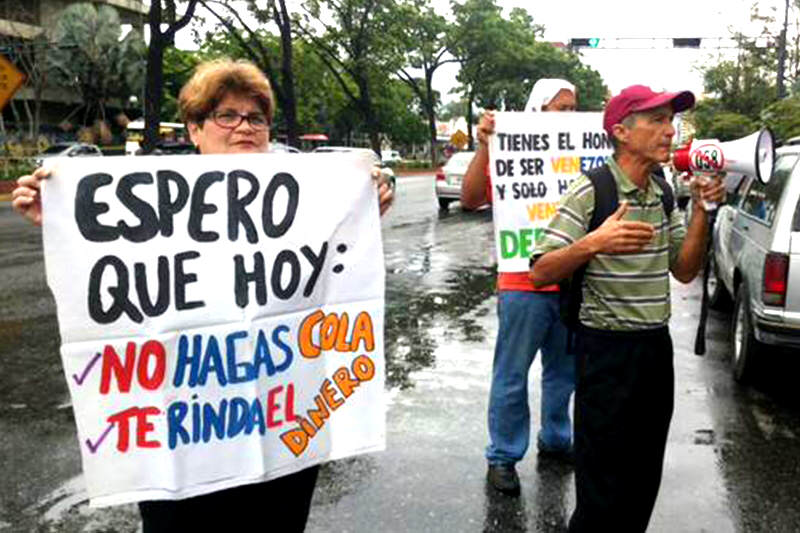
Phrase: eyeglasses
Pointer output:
(231, 120)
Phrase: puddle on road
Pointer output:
(412, 312)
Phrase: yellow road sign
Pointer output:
(11, 80)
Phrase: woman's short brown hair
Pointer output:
(213, 80)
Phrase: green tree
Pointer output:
(90, 56)
(424, 37)
(501, 59)
(453, 109)
(744, 86)
(772, 30)
(163, 22)
(318, 97)
(783, 117)
(179, 66)
(402, 114)
(273, 54)
(744, 91)
(543, 60)
(726, 126)
(350, 37)
(478, 40)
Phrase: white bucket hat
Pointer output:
(544, 91)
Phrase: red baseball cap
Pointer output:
(641, 98)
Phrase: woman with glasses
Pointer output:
(228, 108)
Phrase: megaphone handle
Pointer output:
(710, 207)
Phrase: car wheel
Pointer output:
(444, 203)
(718, 297)
(745, 345)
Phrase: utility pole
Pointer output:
(782, 55)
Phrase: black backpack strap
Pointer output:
(667, 196)
(606, 200)
(605, 203)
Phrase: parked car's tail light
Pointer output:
(440, 175)
(776, 272)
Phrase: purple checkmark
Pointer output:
(100, 439)
(79, 379)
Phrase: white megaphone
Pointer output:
(753, 155)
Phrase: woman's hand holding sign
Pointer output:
(27, 198)
(385, 190)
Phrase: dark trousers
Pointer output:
(623, 407)
(280, 504)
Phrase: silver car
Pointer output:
(755, 263)
(450, 176)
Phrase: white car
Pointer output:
(390, 157)
(385, 170)
(755, 263)
(449, 178)
(68, 150)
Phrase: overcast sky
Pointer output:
(671, 69)
(664, 69)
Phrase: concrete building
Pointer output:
(21, 21)
(27, 19)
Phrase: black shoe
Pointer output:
(564, 456)
(504, 479)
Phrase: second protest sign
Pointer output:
(533, 159)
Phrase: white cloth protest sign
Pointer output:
(533, 157)
(221, 316)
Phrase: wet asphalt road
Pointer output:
(732, 459)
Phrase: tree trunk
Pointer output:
(290, 100)
(373, 128)
(431, 112)
(152, 90)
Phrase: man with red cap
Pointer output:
(624, 374)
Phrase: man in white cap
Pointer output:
(529, 320)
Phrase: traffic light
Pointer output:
(590, 42)
(683, 42)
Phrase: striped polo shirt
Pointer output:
(622, 292)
